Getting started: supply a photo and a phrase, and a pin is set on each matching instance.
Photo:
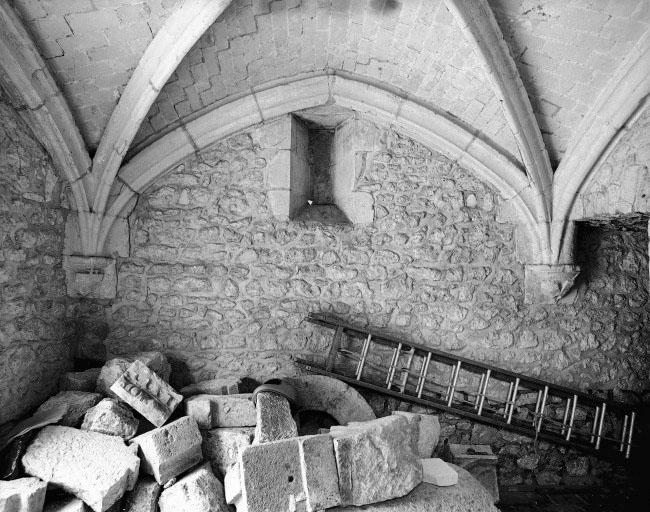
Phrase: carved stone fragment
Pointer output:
(212, 387)
(274, 421)
(222, 446)
(198, 491)
(111, 418)
(79, 381)
(147, 393)
(114, 368)
(22, 495)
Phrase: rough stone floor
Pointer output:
(583, 500)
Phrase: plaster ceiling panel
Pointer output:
(92, 48)
(566, 50)
(411, 45)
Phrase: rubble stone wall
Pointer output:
(221, 287)
(32, 283)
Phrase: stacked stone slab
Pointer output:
(22, 495)
(111, 418)
(428, 428)
(212, 411)
(274, 421)
(168, 451)
(212, 387)
(286, 475)
(147, 393)
(77, 403)
(376, 460)
(197, 491)
(95, 467)
(221, 446)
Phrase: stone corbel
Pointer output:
(550, 284)
(92, 277)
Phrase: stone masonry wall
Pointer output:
(32, 282)
(223, 288)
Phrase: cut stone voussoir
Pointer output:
(376, 460)
(22, 495)
(77, 402)
(212, 387)
(144, 497)
(428, 432)
(438, 472)
(111, 418)
(274, 421)
(168, 451)
(221, 446)
(95, 467)
(114, 368)
(287, 475)
(211, 411)
(197, 491)
(147, 393)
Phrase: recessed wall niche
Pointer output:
(314, 175)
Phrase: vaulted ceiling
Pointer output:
(132, 71)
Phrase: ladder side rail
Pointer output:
(334, 349)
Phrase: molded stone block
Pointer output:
(212, 387)
(77, 402)
(221, 446)
(198, 491)
(550, 284)
(168, 451)
(428, 432)
(376, 459)
(144, 497)
(274, 421)
(79, 381)
(110, 418)
(288, 475)
(90, 277)
(94, 467)
(114, 368)
(222, 410)
(438, 472)
(22, 495)
(147, 393)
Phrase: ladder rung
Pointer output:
(600, 425)
(364, 354)
(423, 375)
(452, 383)
(393, 365)
(629, 438)
(406, 371)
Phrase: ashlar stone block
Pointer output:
(77, 402)
(144, 497)
(296, 474)
(376, 460)
(438, 472)
(211, 411)
(428, 428)
(22, 495)
(147, 393)
(111, 418)
(212, 387)
(168, 451)
(94, 467)
(197, 491)
(274, 421)
(221, 446)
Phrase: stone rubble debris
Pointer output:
(376, 460)
(197, 491)
(80, 381)
(144, 497)
(428, 432)
(221, 446)
(285, 475)
(111, 418)
(274, 421)
(77, 403)
(147, 393)
(67, 504)
(114, 368)
(95, 467)
(168, 451)
(438, 472)
(212, 411)
(212, 387)
(22, 495)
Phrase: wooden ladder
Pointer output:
(474, 390)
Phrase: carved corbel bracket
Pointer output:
(91, 277)
(550, 284)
